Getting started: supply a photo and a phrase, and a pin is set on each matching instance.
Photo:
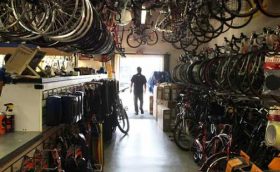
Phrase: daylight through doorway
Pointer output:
(128, 65)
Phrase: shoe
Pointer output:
(142, 112)
(136, 113)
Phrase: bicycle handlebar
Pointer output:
(123, 90)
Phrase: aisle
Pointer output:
(146, 149)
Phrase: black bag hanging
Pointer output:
(70, 108)
(53, 110)
(108, 128)
(80, 95)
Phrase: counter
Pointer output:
(12, 144)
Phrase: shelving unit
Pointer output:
(28, 97)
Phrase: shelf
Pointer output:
(4, 49)
(29, 98)
(28, 79)
(56, 82)
(13, 143)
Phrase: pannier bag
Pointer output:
(53, 110)
(70, 109)
(80, 96)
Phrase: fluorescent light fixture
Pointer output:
(143, 15)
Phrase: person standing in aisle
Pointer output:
(138, 82)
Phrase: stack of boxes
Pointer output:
(151, 105)
(164, 104)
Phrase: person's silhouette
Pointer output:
(138, 82)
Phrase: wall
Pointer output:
(174, 58)
(257, 24)
(89, 63)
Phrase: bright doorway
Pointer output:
(128, 65)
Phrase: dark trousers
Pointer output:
(136, 97)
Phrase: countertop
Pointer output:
(12, 143)
(26, 79)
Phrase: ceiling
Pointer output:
(161, 47)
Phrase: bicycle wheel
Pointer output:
(133, 40)
(33, 17)
(151, 36)
(183, 134)
(176, 77)
(218, 164)
(123, 122)
(176, 45)
(217, 10)
(270, 10)
(171, 33)
(240, 8)
(239, 22)
(7, 19)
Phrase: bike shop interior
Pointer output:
(69, 78)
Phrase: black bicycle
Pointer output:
(119, 111)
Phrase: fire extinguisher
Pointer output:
(10, 118)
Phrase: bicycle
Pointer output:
(183, 130)
(120, 115)
(141, 36)
(252, 143)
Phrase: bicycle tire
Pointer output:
(178, 138)
(29, 19)
(214, 158)
(231, 73)
(183, 72)
(201, 72)
(264, 11)
(129, 39)
(56, 21)
(175, 72)
(221, 14)
(189, 47)
(221, 162)
(152, 36)
(176, 45)
(6, 16)
(173, 36)
(123, 121)
(252, 11)
(80, 28)
(248, 20)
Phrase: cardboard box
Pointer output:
(164, 120)
(174, 94)
(166, 96)
(170, 91)
(167, 103)
(1, 86)
(151, 105)
(159, 92)
(155, 101)
(173, 113)
(155, 110)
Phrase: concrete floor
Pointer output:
(146, 149)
